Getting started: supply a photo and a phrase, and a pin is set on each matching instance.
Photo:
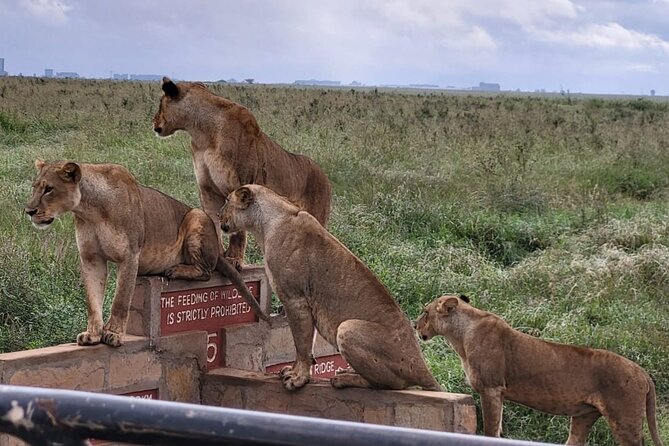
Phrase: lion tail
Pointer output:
(650, 413)
(229, 271)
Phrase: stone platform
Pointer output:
(440, 411)
(198, 342)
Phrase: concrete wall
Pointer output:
(170, 369)
(439, 411)
(198, 342)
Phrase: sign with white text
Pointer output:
(325, 367)
(208, 309)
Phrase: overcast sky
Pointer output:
(598, 46)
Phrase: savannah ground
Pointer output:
(551, 212)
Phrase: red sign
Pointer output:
(325, 366)
(207, 309)
(151, 394)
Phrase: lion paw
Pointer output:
(169, 272)
(291, 379)
(349, 379)
(236, 262)
(112, 339)
(337, 382)
(86, 338)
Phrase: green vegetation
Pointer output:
(552, 213)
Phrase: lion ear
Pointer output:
(245, 196)
(71, 172)
(170, 88)
(39, 163)
(446, 304)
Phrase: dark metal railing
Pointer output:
(66, 417)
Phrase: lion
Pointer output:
(230, 150)
(139, 228)
(323, 285)
(583, 383)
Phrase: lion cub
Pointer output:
(323, 285)
(140, 229)
(583, 383)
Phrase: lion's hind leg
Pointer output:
(200, 248)
(381, 358)
(580, 428)
(349, 378)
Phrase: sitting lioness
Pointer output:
(140, 229)
(229, 149)
(583, 383)
(323, 285)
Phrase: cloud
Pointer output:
(609, 36)
(53, 11)
(528, 13)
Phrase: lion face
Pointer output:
(55, 191)
(437, 316)
(163, 121)
(232, 215)
(425, 323)
(175, 109)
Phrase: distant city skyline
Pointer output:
(50, 73)
(584, 46)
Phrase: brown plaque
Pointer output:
(207, 309)
(325, 366)
(150, 394)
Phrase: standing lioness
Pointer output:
(230, 150)
(583, 383)
(323, 285)
(140, 229)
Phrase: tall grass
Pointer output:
(550, 212)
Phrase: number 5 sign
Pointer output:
(208, 309)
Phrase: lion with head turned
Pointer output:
(229, 149)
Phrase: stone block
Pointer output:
(67, 366)
(191, 345)
(439, 411)
(182, 382)
(140, 369)
(88, 375)
(243, 346)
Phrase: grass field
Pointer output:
(551, 212)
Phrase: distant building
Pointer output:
(48, 72)
(67, 75)
(485, 86)
(2, 67)
(146, 77)
(318, 83)
(121, 76)
(423, 86)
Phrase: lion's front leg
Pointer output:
(301, 326)
(492, 405)
(114, 329)
(94, 274)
